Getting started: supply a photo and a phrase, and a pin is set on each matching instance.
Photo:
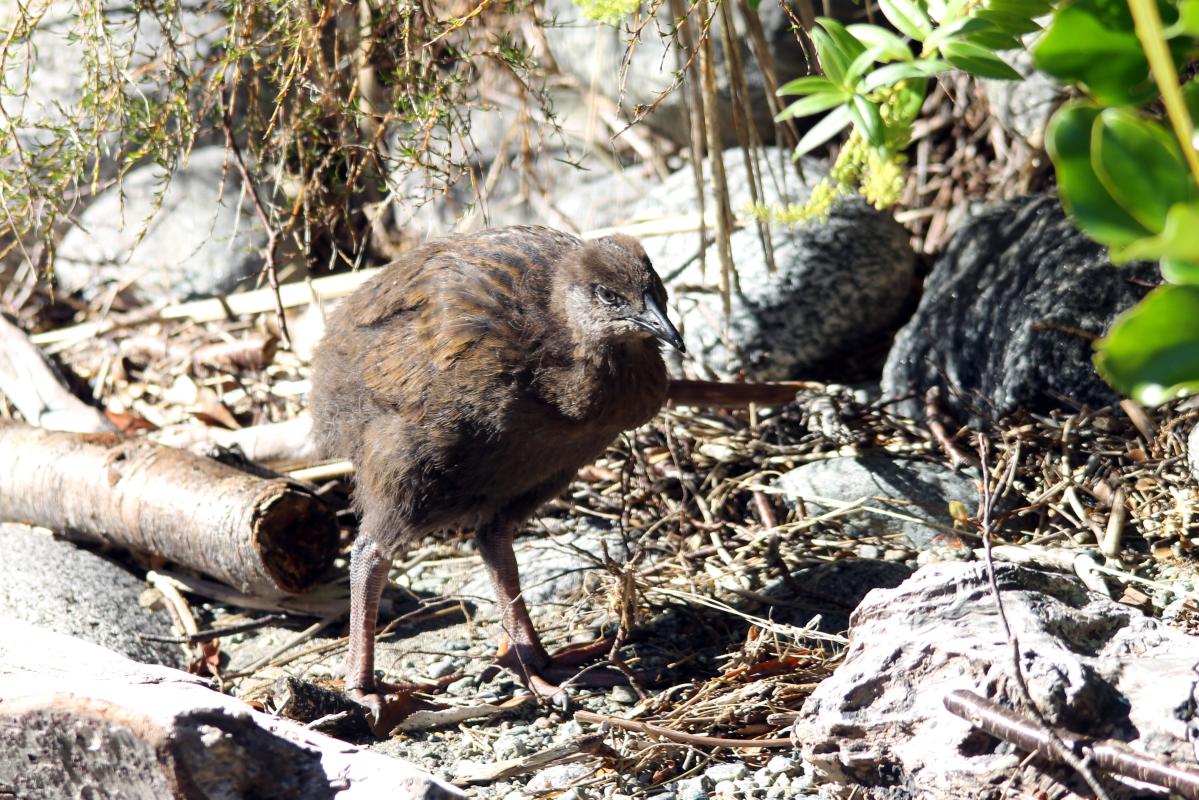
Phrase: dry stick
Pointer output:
(36, 389)
(747, 131)
(696, 118)
(1059, 748)
(724, 223)
(932, 411)
(272, 232)
(1004, 724)
(261, 536)
(696, 739)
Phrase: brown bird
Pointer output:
(468, 382)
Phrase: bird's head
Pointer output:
(611, 293)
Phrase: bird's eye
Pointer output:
(607, 296)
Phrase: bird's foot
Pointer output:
(384, 705)
(549, 676)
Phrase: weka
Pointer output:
(468, 382)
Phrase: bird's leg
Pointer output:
(368, 574)
(522, 651)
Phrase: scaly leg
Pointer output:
(522, 651)
(368, 574)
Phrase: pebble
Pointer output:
(509, 745)
(868, 551)
(457, 645)
(570, 729)
(726, 772)
(691, 789)
(779, 765)
(439, 669)
(558, 776)
(725, 790)
(462, 686)
(625, 695)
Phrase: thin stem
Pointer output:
(1148, 24)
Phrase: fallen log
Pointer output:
(135, 730)
(261, 536)
(36, 389)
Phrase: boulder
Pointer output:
(1009, 314)
(69, 590)
(837, 283)
(878, 727)
(199, 239)
(920, 492)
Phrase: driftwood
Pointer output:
(77, 720)
(722, 393)
(262, 536)
(37, 390)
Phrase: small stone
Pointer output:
(725, 790)
(869, 551)
(558, 776)
(542, 723)
(570, 728)
(763, 778)
(691, 789)
(462, 686)
(727, 772)
(780, 765)
(509, 745)
(624, 695)
(440, 669)
(457, 645)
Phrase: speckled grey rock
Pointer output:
(193, 246)
(919, 489)
(558, 777)
(55, 585)
(997, 326)
(878, 727)
(837, 283)
(1023, 107)
(590, 50)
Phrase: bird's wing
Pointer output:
(454, 315)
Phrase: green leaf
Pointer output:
(753, 4)
(1190, 95)
(890, 46)
(813, 104)
(908, 18)
(959, 29)
(1152, 350)
(893, 73)
(832, 60)
(854, 72)
(847, 43)
(977, 60)
(867, 117)
(829, 126)
(1029, 9)
(1181, 272)
(1081, 47)
(1140, 166)
(812, 84)
(1068, 140)
(1188, 20)
(1009, 23)
(1177, 240)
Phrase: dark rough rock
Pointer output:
(918, 489)
(877, 728)
(837, 283)
(588, 49)
(69, 590)
(193, 247)
(998, 326)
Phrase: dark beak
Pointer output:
(654, 320)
